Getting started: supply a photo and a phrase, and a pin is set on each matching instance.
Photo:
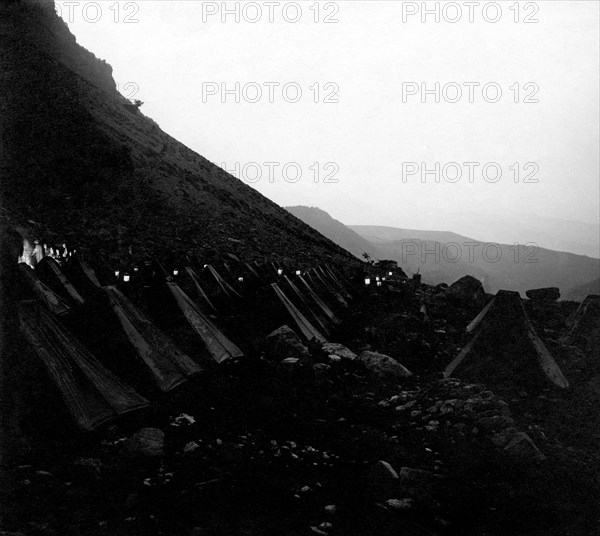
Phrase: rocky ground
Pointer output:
(294, 439)
(332, 439)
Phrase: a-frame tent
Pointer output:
(505, 345)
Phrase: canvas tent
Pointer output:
(168, 364)
(217, 344)
(50, 267)
(308, 331)
(505, 345)
(92, 394)
(307, 307)
(44, 293)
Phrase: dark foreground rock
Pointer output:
(147, 442)
(468, 291)
(325, 443)
(284, 343)
(551, 294)
(383, 366)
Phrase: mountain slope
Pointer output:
(376, 234)
(442, 256)
(335, 230)
(550, 233)
(91, 169)
(580, 292)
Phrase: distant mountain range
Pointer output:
(444, 257)
(551, 233)
(336, 231)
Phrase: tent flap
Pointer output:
(168, 364)
(218, 345)
(92, 393)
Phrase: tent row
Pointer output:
(92, 391)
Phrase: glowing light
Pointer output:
(126, 278)
(367, 281)
(175, 272)
(117, 273)
(390, 273)
(298, 272)
(241, 279)
(279, 271)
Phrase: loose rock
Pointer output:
(384, 366)
(283, 343)
(333, 348)
(147, 441)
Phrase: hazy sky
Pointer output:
(179, 52)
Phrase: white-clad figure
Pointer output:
(38, 251)
(27, 256)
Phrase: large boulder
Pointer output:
(417, 483)
(147, 442)
(550, 294)
(283, 343)
(468, 291)
(383, 366)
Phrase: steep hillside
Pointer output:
(335, 230)
(91, 169)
